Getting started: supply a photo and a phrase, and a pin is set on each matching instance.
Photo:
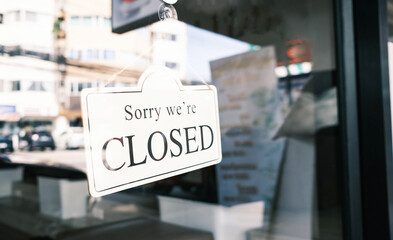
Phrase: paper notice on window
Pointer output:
(250, 115)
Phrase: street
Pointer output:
(67, 158)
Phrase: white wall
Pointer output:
(33, 29)
(29, 104)
(166, 50)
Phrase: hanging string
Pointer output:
(199, 77)
(112, 78)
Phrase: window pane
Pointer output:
(15, 86)
(273, 64)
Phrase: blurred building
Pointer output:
(94, 54)
(28, 73)
(51, 49)
(170, 39)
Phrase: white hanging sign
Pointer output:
(155, 130)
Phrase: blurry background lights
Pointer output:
(300, 68)
(306, 67)
(170, 1)
(35, 137)
(281, 71)
(294, 69)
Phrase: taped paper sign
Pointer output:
(155, 130)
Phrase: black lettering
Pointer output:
(178, 110)
(176, 142)
(165, 146)
(144, 112)
(104, 161)
(140, 114)
(188, 140)
(192, 108)
(202, 142)
(131, 152)
(158, 110)
(171, 110)
(129, 112)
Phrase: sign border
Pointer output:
(139, 88)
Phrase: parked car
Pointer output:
(38, 140)
(72, 138)
(6, 143)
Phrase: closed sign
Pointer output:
(153, 131)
